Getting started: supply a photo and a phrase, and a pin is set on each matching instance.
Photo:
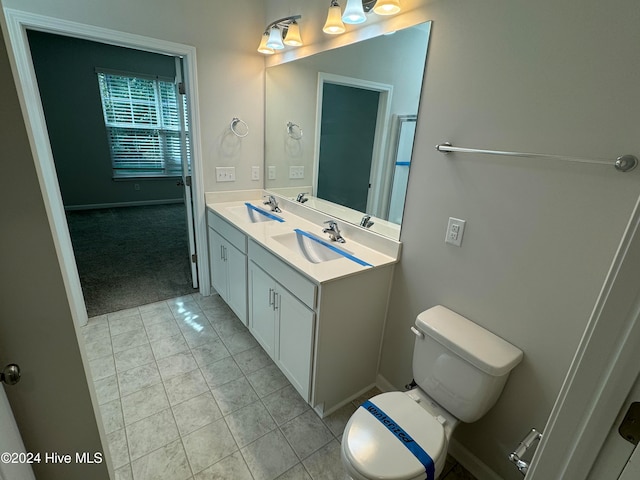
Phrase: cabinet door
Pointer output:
(295, 341)
(261, 310)
(237, 281)
(218, 265)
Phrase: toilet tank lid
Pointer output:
(480, 347)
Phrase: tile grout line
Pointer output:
(164, 387)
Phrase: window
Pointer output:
(143, 124)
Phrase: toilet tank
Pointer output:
(459, 364)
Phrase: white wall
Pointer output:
(545, 77)
(230, 71)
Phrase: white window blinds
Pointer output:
(143, 124)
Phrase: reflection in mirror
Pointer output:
(357, 107)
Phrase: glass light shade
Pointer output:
(275, 39)
(263, 45)
(353, 12)
(293, 36)
(334, 24)
(387, 7)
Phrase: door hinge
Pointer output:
(630, 426)
(194, 258)
(187, 180)
(182, 90)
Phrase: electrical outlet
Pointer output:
(225, 174)
(296, 172)
(136, 186)
(455, 229)
(255, 173)
(272, 172)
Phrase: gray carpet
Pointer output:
(130, 256)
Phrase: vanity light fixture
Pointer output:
(284, 31)
(355, 12)
(334, 25)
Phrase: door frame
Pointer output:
(603, 371)
(17, 23)
(380, 137)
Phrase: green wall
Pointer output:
(65, 69)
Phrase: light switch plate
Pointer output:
(296, 171)
(455, 229)
(225, 174)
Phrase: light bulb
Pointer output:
(275, 39)
(387, 7)
(293, 35)
(334, 24)
(353, 12)
(263, 45)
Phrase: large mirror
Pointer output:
(340, 126)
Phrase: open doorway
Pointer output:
(352, 130)
(120, 178)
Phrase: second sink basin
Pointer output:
(252, 214)
(313, 248)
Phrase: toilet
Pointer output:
(460, 370)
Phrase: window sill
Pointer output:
(137, 178)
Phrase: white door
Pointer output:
(295, 341)
(262, 312)
(602, 375)
(632, 469)
(181, 96)
(11, 442)
(618, 454)
(52, 403)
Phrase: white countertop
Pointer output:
(263, 233)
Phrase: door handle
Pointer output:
(271, 297)
(10, 374)
(276, 300)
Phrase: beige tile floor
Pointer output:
(186, 393)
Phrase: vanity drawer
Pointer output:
(228, 231)
(296, 283)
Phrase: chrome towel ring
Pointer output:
(294, 130)
(239, 127)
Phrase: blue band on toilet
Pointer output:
(422, 456)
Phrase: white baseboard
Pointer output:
(384, 384)
(472, 463)
(141, 203)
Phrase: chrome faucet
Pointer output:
(366, 221)
(301, 197)
(333, 231)
(271, 201)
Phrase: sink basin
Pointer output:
(315, 249)
(252, 214)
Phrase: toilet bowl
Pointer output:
(460, 370)
(370, 451)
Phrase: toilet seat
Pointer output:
(376, 453)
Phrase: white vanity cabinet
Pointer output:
(325, 337)
(228, 262)
(280, 321)
(321, 324)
